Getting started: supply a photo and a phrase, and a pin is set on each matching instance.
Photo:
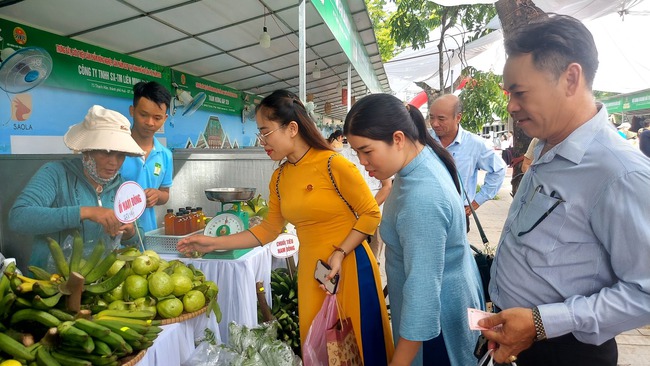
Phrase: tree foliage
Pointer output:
(379, 17)
(483, 98)
(413, 21)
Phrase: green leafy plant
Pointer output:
(483, 98)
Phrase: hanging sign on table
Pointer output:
(130, 202)
(284, 246)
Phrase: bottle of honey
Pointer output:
(194, 220)
(199, 211)
(169, 222)
(179, 224)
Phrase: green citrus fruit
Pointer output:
(170, 308)
(136, 286)
(182, 269)
(118, 305)
(249, 209)
(182, 284)
(115, 294)
(151, 254)
(263, 212)
(143, 265)
(193, 301)
(160, 284)
(132, 252)
(117, 265)
(144, 303)
(162, 265)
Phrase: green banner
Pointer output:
(219, 98)
(628, 102)
(83, 67)
(336, 15)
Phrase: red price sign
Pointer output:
(130, 202)
(284, 246)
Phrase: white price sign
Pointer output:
(130, 202)
(284, 246)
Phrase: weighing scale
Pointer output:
(227, 222)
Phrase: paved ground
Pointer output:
(633, 346)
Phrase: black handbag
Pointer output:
(483, 258)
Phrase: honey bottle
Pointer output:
(194, 220)
(187, 219)
(179, 224)
(169, 222)
(199, 211)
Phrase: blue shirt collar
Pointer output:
(573, 148)
(460, 135)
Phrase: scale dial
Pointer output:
(224, 224)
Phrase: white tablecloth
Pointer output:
(236, 279)
(176, 342)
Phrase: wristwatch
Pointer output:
(540, 332)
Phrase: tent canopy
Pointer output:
(217, 40)
(623, 67)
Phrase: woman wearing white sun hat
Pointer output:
(78, 194)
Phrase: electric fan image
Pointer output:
(184, 98)
(23, 69)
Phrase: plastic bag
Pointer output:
(207, 354)
(258, 346)
(276, 353)
(488, 360)
(66, 247)
(314, 351)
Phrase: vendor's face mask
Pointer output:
(109, 169)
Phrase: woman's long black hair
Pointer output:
(283, 106)
(378, 116)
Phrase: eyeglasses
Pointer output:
(545, 214)
(262, 136)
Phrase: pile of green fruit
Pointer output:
(169, 288)
(127, 282)
(257, 210)
(284, 288)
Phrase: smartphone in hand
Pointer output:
(322, 270)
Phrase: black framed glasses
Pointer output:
(545, 214)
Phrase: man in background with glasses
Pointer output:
(571, 270)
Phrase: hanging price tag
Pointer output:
(130, 202)
(284, 246)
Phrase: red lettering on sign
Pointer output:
(136, 199)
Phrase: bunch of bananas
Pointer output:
(100, 340)
(285, 307)
(31, 306)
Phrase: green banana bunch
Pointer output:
(98, 341)
(285, 307)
